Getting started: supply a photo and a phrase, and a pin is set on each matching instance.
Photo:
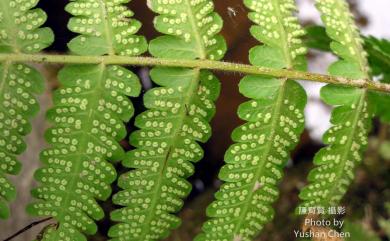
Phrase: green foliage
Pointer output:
(177, 118)
(93, 102)
(382, 105)
(357, 232)
(316, 38)
(379, 60)
(191, 29)
(275, 121)
(340, 27)
(351, 117)
(105, 27)
(378, 50)
(20, 32)
(379, 57)
(88, 115)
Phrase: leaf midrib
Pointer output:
(347, 147)
(273, 127)
(83, 142)
(276, 114)
(196, 32)
(98, 89)
(183, 115)
(188, 98)
(358, 48)
(282, 31)
(108, 31)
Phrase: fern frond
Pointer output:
(351, 118)
(341, 28)
(177, 118)
(379, 61)
(88, 115)
(275, 121)
(105, 27)
(20, 32)
(191, 29)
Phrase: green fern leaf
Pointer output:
(105, 27)
(379, 57)
(351, 118)
(379, 60)
(275, 121)
(20, 32)
(177, 118)
(191, 29)
(88, 115)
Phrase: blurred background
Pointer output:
(366, 199)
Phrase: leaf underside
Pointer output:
(93, 102)
(87, 117)
(177, 118)
(351, 117)
(379, 59)
(166, 144)
(274, 122)
(20, 32)
(378, 51)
